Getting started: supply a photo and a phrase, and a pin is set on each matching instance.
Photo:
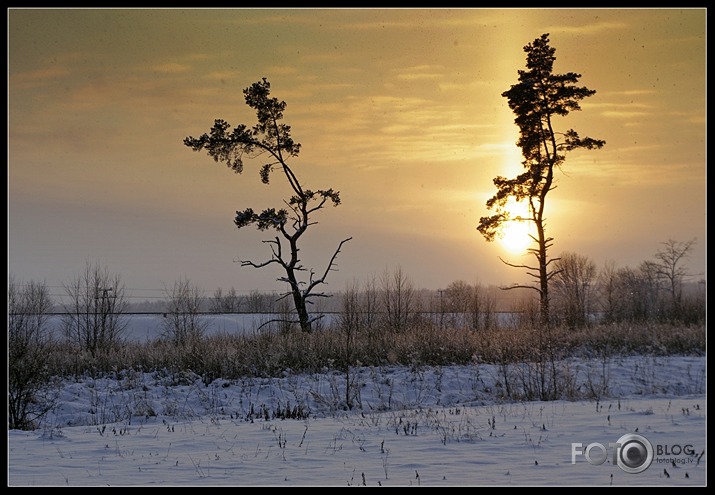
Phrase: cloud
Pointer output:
(589, 29)
(38, 77)
(171, 68)
(623, 114)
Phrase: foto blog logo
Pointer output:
(632, 453)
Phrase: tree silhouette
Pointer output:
(537, 99)
(670, 267)
(271, 139)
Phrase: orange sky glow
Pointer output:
(398, 109)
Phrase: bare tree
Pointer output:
(225, 303)
(350, 314)
(483, 308)
(95, 315)
(458, 297)
(608, 294)
(30, 394)
(630, 294)
(350, 323)
(398, 298)
(272, 139)
(256, 302)
(670, 260)
(573, 288)
(183, 323)
(370, 303)
(648, 290)
(652, 291)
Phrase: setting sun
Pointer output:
(515, 235)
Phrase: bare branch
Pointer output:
(516, 266)
(292, 322)
(518, 286)
(327, 270)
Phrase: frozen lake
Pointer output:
(142, 327)
(146, 327)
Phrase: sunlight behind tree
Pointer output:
(515, 234)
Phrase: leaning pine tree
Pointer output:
(537, 99)
(271, 139)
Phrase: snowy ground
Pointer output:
(426, 426)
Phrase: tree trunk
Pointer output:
(302, 311)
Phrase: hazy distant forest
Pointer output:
(577, 310)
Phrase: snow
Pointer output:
(423, 426)
(148, 327)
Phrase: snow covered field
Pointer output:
(410, 426)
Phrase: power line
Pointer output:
(130, 292)
(164, 291)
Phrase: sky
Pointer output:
(426, 426)
(400, 110)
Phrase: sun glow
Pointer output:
(515, 234)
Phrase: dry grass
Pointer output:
(272, 354)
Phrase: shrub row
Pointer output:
(272, 353)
